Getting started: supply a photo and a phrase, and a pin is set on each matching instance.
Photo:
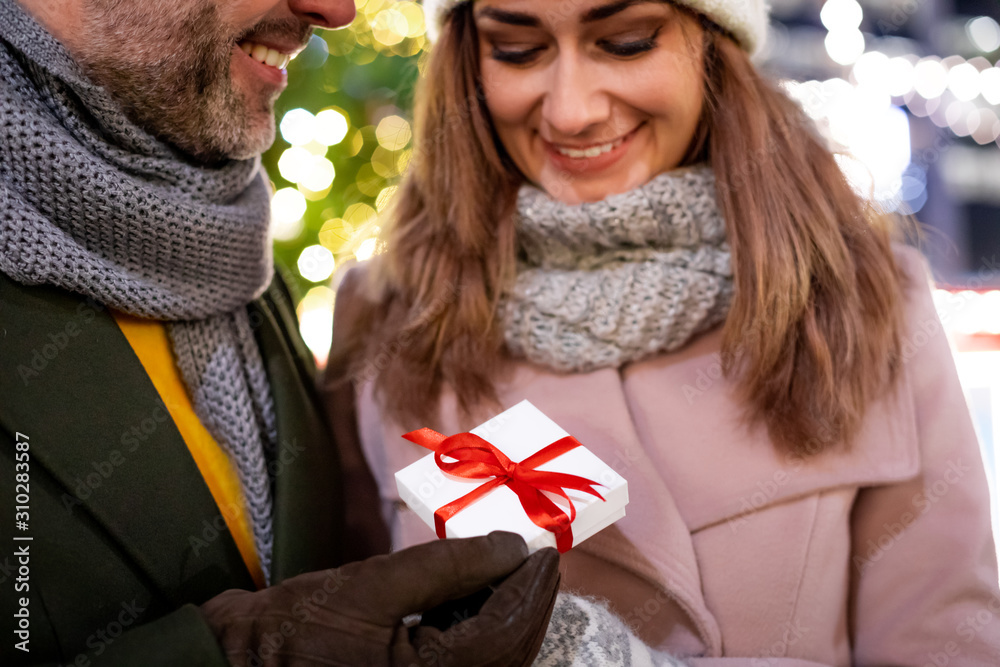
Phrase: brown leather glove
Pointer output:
(353, 615)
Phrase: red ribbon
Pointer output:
(478, 459)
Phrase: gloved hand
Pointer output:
(353, 615)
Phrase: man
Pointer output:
(171, 493)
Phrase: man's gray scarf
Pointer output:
(95, 205)
(602, 284)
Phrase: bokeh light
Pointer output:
(930, 78)
(845, 46)
(393, 133)
(316, 263)
(366, 250)
(331, 127)
(841, 15)
(984, 33)
(298, 127)
(287, 208)
(315, 313)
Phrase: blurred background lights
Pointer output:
(293, 165)
(871, 135)
(900, 76)
(987, 128)
(366, 250)
(984, 33)
(314, 55)
(316, 263)
(872, 71)
(390, 26)
(414, 15)
(319, 175)
(963, 82)
(989, 85)
(393, 133)
(969, 312)
(360, 215)
(845, 46)
(330, 127)
(287, 208)
(315, 313)
(335, 234)
(385, 198)
(930, 78)
(298, 127)
(841, 15)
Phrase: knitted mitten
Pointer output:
(584, 633)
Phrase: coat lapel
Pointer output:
(692, 419)
(307, 490)
(71, 382)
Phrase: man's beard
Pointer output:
(169, 66)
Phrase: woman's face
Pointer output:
(591, 97)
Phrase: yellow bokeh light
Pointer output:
(403, 161)
(384, 163)
(360, 215)
(393, 133)
(335, 234)
(368, 182)
(315, 195)
(384, 199)
(316, 148)
(409, 47)
(390, 27)
(414, 15)
(315, 314)
(354, 145)
(370, 8)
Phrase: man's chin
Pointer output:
(228, 141)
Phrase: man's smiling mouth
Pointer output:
(266, 55)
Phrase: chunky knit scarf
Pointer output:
(93, 204)
(602, 284)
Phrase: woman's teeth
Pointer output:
(593, 151)
(266, 56)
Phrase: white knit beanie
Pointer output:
(745, 19)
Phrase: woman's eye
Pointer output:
(516, 56)
(628, 48)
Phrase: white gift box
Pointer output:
(518, 432)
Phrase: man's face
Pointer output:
(200, 74)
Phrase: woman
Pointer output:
(613, 215)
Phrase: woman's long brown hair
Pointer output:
(814, 332)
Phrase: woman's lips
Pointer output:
(590, 159)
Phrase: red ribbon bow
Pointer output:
(478, 459)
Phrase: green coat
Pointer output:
(125, 535)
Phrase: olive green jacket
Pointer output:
(125, 537)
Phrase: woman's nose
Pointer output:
(576, 98)
(328, 14)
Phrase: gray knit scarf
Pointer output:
(93, 204)
(602, 284)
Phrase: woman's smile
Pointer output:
(590, 158)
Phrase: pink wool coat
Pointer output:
(738, 555)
